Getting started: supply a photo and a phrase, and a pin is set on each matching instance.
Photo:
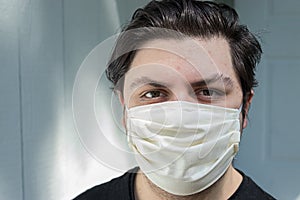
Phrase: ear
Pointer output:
(247, 106)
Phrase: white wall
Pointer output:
(43, 43)
(10, 120)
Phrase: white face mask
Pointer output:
(183, 147)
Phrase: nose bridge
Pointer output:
(184, 94)
(182, 88)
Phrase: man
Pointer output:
(184, 73)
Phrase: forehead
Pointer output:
(201, 54)
(189, 59)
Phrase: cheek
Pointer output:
(132, 101)
(239, 93)
(129, 99)
(235, 99)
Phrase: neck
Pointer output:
(222, 189)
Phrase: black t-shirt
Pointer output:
(122, 188)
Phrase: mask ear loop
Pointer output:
(240, 108)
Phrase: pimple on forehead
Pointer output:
(159, 57)
(201, 56)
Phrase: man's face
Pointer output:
(193, 70)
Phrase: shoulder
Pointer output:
(118, 188)
(249, 190)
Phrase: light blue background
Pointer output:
(43, 43)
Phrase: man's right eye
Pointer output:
(153, 94)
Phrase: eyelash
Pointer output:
(213, 95)
(210, 91)
(151, 91)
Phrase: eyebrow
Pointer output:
(227, 81)
(145, 80)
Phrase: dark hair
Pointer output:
(188, 18)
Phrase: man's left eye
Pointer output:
(209, 93)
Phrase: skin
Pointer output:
(193, 70)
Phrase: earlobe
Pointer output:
(245, 122)
(247, 106)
